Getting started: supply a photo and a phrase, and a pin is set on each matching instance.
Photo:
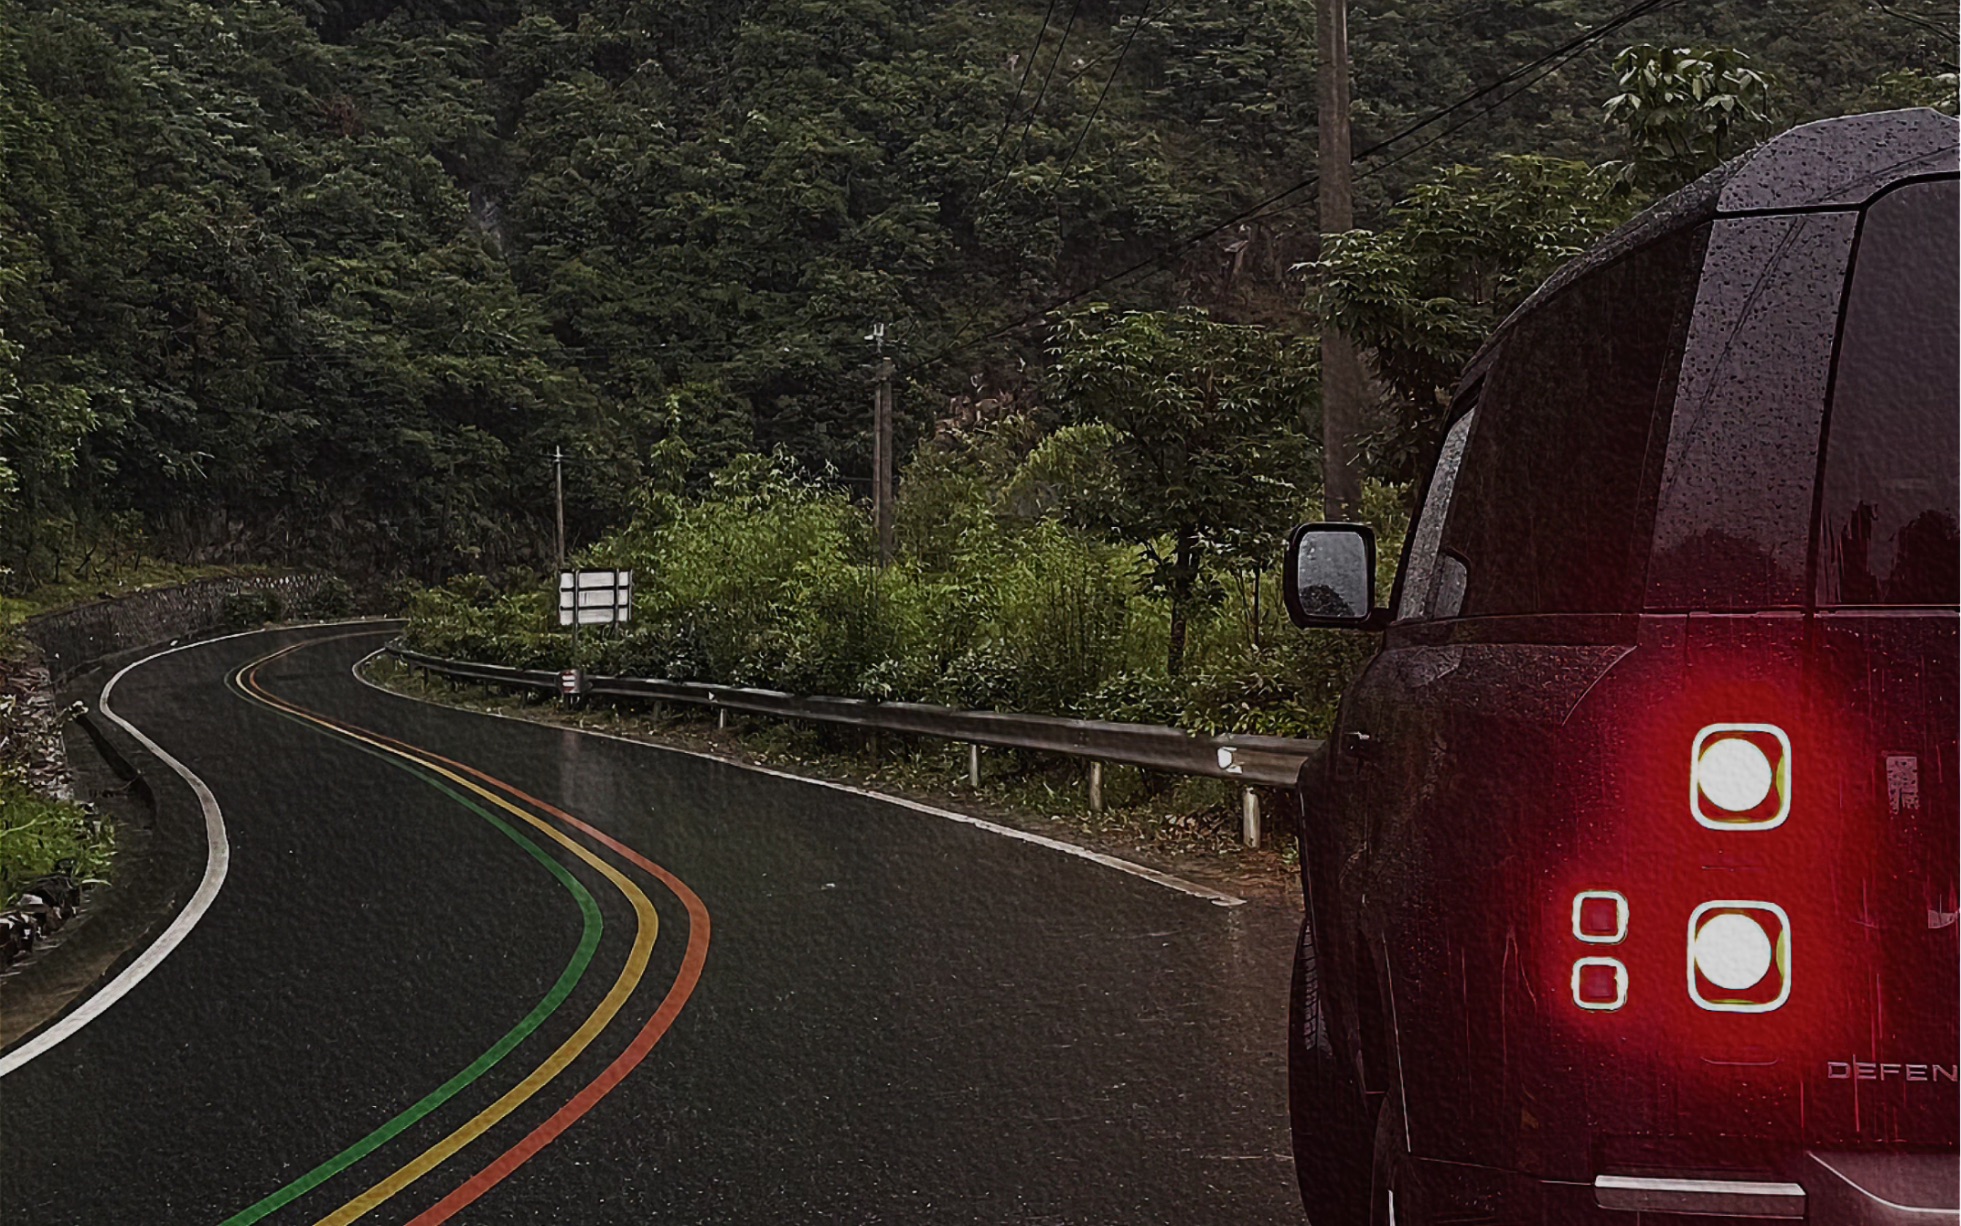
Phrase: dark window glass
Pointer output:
(1732, 522)
(1887, 536)
(1544, 516)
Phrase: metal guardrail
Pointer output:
(1253, 761)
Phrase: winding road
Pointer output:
(474, 969)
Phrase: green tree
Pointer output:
(1684, 110)
(1462, 251)
(1205, 437)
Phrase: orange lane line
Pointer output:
(599, 1087)
(692, 961)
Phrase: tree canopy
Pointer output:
(329, 279)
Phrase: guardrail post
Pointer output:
(1095, 786)
(721, 717)
(1249, 817)
(973, 766)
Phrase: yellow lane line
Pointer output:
(568, 1051)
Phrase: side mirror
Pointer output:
(1329, 577)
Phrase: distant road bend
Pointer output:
(461, 968)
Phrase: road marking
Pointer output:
(593, 927)
(692, 960)
(217, 859)
(1218, 898)
(629, 978)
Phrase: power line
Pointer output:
(1914, 20)
(1107, 82)
(1447, 133)
(1562, 53)
(1075, 7)
(1008, 116)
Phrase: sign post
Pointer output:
(590, 598)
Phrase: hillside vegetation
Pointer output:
(328, 281)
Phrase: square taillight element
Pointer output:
(1740, 776)
(1600, 917)
(1739, 956)
(1599, 984)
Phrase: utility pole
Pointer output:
(1344, 384)
(558, 482)
(882, 450)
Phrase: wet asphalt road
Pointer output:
(900, 1018)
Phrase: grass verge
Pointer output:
(37, 833)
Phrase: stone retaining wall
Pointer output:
(60, 645)
(73, 639)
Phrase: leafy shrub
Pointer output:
(766, 578)
(37, 833)
(247, 610)
(333, 598)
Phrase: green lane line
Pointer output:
(567, 980)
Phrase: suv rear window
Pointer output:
(1733, 516)
(1546, 514)
(1888, 511)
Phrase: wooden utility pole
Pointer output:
(1344, 384)
(882, 451)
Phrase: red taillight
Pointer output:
(1740, 776)
(1599, 983)
(1600, 917)
(1739, 956)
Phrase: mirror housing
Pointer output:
(1328, 578)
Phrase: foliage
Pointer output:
(37, 833)
(1202, 434)
(325, 281)
(1463, 250)
(332, 599)
(328, 281)
(1910, 87)
(765, 578)
(250, 610)
(36, 830)
(1684, 110)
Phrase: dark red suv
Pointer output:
(1631, 862)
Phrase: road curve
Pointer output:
(483, 970)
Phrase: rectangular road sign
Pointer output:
(596, 597)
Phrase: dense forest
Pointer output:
(327, 280)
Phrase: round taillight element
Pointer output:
(1733, 951)
(1740, 777)
(1734, 774)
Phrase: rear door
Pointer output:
(1883, 669)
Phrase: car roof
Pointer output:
(1831, 163)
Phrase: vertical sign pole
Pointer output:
(885, 534)
(558, 575)
(558, 480)
(882, 451)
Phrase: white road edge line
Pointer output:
(1217, 898)
(217, 859)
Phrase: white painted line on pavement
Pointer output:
(217, 859)
(1215, 897)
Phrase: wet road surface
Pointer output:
(730, 997)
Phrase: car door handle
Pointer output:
(1359, 743)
